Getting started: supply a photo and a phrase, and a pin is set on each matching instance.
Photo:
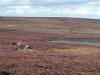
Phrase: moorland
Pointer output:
(46, 57)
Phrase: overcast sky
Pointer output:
(51, 8)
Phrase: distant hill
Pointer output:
(55, 25)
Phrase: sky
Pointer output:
(50, 8)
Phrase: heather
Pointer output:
(44, 57)
(49, 63)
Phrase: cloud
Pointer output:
(18, 11)
(40, 2)
(77, 11)
(93, 3)
(18, 7)
(25, 6)
(7, 0)
(24, 1)
(40, 10)
(54, 8)
(48, 0)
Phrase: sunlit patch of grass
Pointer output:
(86, 30)
(29, 50)
(78, 50)
(11, 25)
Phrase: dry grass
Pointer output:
(29, 50)
(79, 50)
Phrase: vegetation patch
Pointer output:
(78, 50)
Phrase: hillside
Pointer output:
(46, 57)
(52, 25)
